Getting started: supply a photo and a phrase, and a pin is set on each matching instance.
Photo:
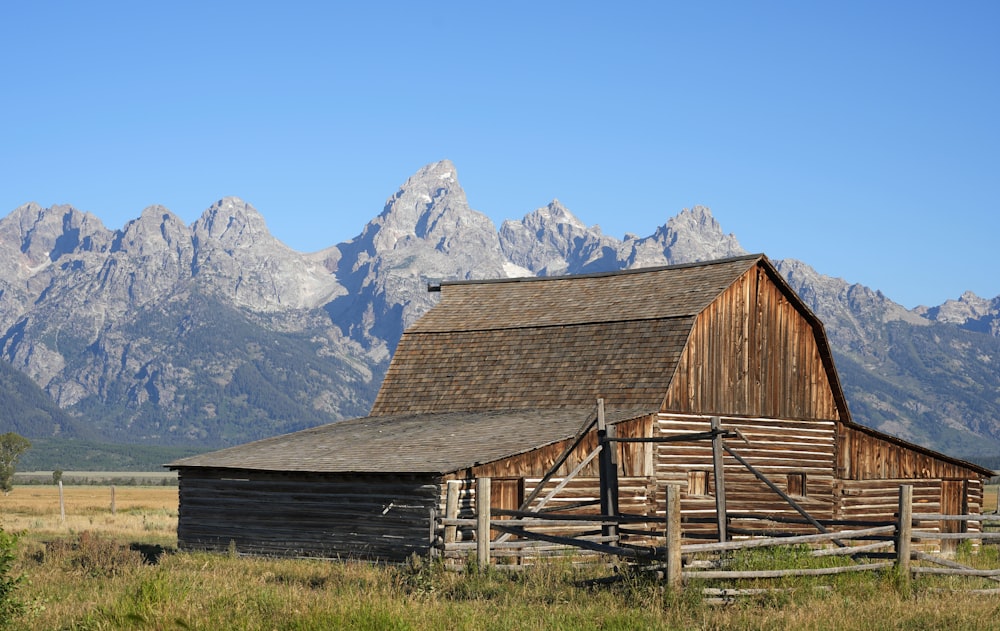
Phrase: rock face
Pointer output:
(425, 233)
(217, 333)
(969, 311)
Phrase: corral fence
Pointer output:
(511, 539)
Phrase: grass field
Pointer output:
(146, 514)
(88, 573)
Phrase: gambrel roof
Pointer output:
(553, 342)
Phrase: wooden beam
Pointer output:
(673, 537)
(571, 541)
(580, 435)
(720, 479)
(608, 471)
(542, 502)
(451, 509)
(483, 521)
(904, 531)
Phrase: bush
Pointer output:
(93, 555)
(10, 605)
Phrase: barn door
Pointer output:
(954, 501)
(506, 493)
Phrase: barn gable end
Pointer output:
(756, 350)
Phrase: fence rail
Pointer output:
(874, 546)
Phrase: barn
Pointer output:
(501, 379)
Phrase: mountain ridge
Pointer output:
(216, 332)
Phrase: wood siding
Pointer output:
(867, 456)
(634, 459)
(777, 448)
(752, 352)
(383, 517)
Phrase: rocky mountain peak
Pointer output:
(218, 332)
(430, 206)
(969, 311)
(425, 233)
(233, 223)
(691, 235)
(44, 235)
(551, 240)
(155, 230)
(554, 214)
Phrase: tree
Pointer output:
(11, 447)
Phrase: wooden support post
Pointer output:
(62, 503)
(608, 470)
(904, 531)
(483, 522)
(451, 509)
(673, 536)
(432, 549)
(114, 510)
(720, 479)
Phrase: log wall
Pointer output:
(385, 517)
(777, 448)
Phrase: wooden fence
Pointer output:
(520, 535)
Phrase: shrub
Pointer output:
(93, 555)
(10, 605)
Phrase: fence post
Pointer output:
(62, 504)
(904, 531)
(720, 480)
(673, 536)
(114, 509)
(483, 521)
(451, 510)
(607, 464)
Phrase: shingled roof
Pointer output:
(542, 343)
(408, 443)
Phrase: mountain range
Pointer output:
(216, 333)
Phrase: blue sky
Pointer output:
(859, 137)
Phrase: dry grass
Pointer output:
(141, 513)
(990, 504)
(84, 575)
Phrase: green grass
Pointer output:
(93, 583)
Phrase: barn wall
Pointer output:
(753, 353)
(636, 496)
(635, 459)
(636, 485)
(384, 517)
(878, 500)
(865, 456)
(777, 448)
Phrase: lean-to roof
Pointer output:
(408, 443)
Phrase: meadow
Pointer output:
(97, 570)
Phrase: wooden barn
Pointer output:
(500, 380)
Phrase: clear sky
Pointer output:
(861, 137)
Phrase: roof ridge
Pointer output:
(639, 270)
(552, 325)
